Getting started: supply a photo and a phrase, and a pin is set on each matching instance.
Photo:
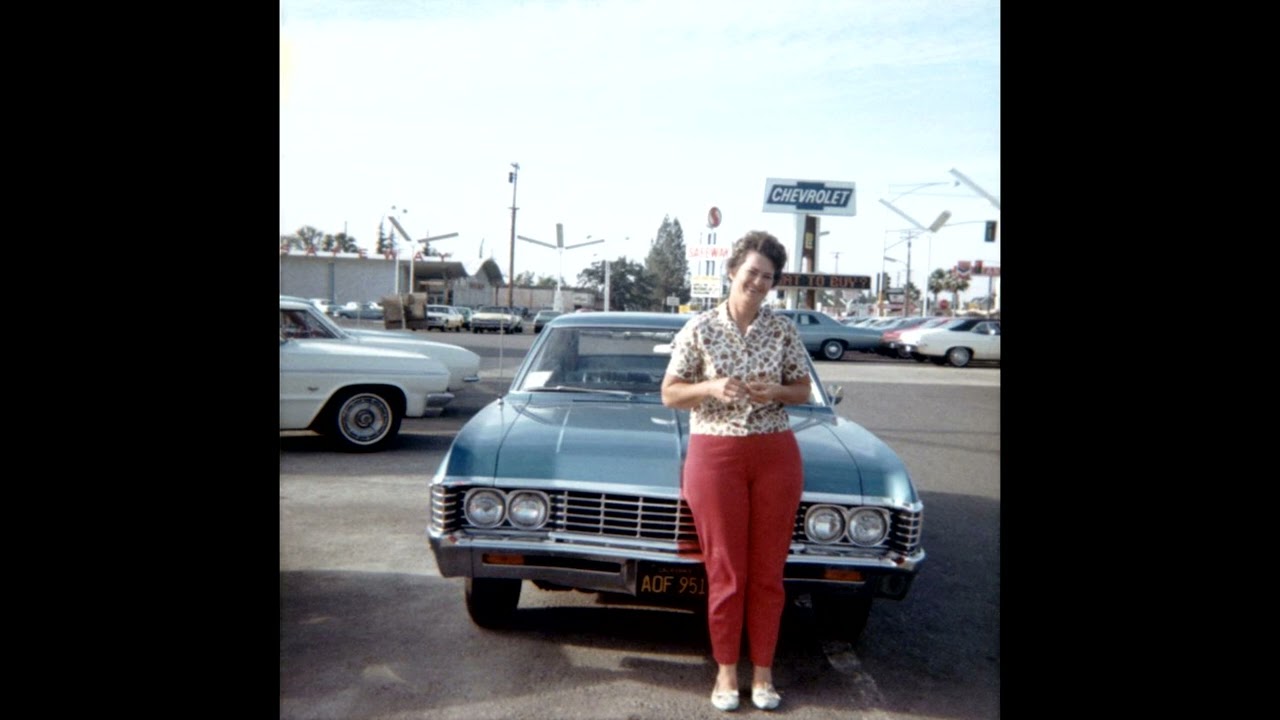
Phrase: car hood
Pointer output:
(325, 356)
(451, 355)
(639, 442)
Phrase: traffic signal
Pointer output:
(991, 231)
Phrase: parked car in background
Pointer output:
(323, 305)
(890, 337)
(571, 481)
(825, 337)
(542, 318)
(360, 311)
(304, 321)
(960, 342)
(443, 318)
(496, 318)
(465, 312)
(356, 395)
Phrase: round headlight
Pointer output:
(824, 523)
(527, 510)
(867, 527)
(484, 508)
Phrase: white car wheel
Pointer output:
(959, 356)
(364, 421)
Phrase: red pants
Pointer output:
(744, 492)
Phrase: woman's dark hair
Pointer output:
(763, 243)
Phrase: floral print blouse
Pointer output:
(711, 346)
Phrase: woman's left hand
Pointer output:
(762, 392)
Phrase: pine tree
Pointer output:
(667, 266)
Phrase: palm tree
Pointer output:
(911, 294)
(937, 283)
(955, 283)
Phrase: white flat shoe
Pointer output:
(724, 699)
(765, 697)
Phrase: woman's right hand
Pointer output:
(728, 389)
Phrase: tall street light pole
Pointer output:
(395, 250)
(605, 259)
(511, 259)
(560, 247)
(426, 245)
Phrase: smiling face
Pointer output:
(753, 279)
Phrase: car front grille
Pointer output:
(628, 516)
(609, 515)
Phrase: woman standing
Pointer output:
(735, 367)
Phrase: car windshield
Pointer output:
(493, 309)
(307, 323)
(611, 360)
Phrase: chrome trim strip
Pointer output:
(455, 544)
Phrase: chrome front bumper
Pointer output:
(612, 566)
(439, 400)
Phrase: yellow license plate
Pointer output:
(677, 582)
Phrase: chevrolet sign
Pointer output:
(814, 197)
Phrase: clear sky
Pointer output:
(621, 112)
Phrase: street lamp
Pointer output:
(605, 260)
(426, 247)
(511, 260)
(561, 247)
(395, 248)
(974, 187)
(933, 228)
(426, 253)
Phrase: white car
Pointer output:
(444, 317)
(324, 306)
(356, 395)
(496, 318)
(959, 342)
(305, 321)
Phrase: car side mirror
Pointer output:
(836, 393)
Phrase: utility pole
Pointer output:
(511, 259)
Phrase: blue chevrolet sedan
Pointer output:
(824, 336)
(571, 481)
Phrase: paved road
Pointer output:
(370, 630)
